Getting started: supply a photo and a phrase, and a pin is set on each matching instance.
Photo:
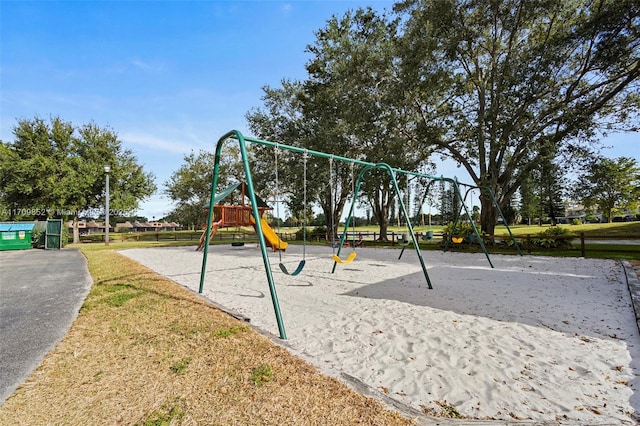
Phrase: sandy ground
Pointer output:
(540, 338)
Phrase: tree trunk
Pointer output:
(384, 224)
(333, 223)
(76, 230)
(381, 213)
(488, 215)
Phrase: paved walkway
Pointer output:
(41, 292)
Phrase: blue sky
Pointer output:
(168, 76)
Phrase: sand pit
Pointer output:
(535, 338)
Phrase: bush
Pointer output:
(554, 237)
(65, 236)
(460, 230)
(37, 237)
(576, 221)
(317, 233)
(465, 231)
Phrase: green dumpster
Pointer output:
(15, 236)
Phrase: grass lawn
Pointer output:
(145, 351)
(612, 250)
(616, 229)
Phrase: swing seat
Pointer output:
(403, 240)
(347, 260)
(457, 240)
(428, 236)
(296, 272)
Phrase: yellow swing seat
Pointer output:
(457, 240)
(347, 260)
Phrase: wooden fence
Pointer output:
(582, 243)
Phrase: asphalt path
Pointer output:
(41, 292)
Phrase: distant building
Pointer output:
(96, 227)
(86, 228)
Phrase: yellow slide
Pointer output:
(272, 238)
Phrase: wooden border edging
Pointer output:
(634, 288)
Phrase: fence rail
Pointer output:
(582, 243)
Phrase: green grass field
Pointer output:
(592, 232)
(617, 229)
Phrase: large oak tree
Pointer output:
(347, 107)
(54, 169)
(504, 86)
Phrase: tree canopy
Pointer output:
(610, 185)
(189, 187)
(500, 87)
(54, 169)
(346, 107)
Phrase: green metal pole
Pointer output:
(256, 215)
(409, 225)
(473, 225)
(351, 209)
(455, 183)
(212, 201)
(495, 203)
(308, 151)
(390, 170)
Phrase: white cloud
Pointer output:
(157, 143)
(155, 207)
(147, 66)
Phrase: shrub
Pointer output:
(554, 237)
(317, 233)
(65, 236)
(460, 230)
(37, 237)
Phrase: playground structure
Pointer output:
(237, 213)
(264, 231)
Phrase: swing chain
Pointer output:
(277, 195)
(305, 155)
(332, 235)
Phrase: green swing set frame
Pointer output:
(366, 167)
